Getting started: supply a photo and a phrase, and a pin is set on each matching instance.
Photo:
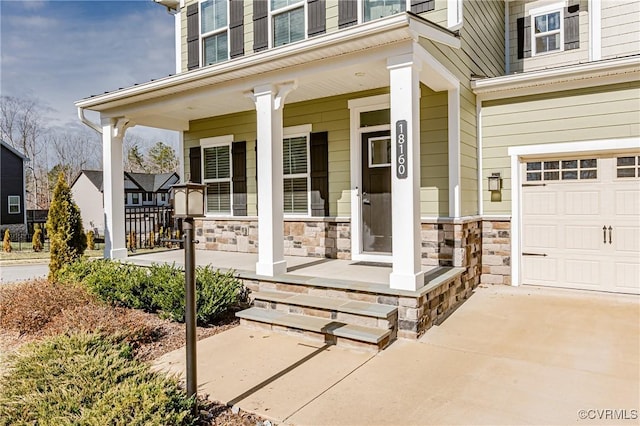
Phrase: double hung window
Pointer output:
(214, 31)
(216, 167)
(14, 204)
(296, 173)
(547, 32)
(287, 21)
(374, 9)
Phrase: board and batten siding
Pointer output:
(520, 9)
(609, 112)
(620, 28)
(332, 115)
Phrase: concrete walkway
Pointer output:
(507, 356)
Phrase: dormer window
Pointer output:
(547, 32)
(374, 9)
(213, 31)
(287, 21)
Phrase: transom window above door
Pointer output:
(287, 21)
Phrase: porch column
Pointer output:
(113, 182)
(269, 102)
(405, 172)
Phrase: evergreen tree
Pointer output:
(64, 226)
(36, 241)
(6, 242)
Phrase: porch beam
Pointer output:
(404, 77)
(269, 102)
(113, 131)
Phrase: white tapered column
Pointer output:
(113, 183)
(269, 102)
(405, 173)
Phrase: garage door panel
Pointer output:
(582, 203)
(540, 236)
(582, 272)
(626, 238)
(583, 237)
(627, 202)
(540, 270)
(539, 203)
(626, 276)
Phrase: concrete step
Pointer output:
(330, 330)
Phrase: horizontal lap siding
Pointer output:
(600, 113)
(620, 28)
(439, 13)
(248, 27)
(332, 15)
(434, 169)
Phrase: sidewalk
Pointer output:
(507, 356)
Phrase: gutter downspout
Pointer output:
(86, 121)
(479, 154)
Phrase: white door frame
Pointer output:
(357, 106)
(519, 153)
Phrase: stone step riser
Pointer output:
(389, 323)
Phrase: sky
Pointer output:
(57, 52)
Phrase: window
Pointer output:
(566, 170)
(374, 9)
(147, 197)
(288, 21)
(296, 174)
(135, 198)
(213, 31)
(216, 168)
(163, 197)
(547, 32)
(628, 167)
(380, 152)
(14, 204)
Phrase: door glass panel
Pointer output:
(375, 118)
(379, 152)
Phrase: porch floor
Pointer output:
(344, 274)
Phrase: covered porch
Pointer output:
(386, 53)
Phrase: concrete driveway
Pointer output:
(507, 356)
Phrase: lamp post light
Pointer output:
(189, 203)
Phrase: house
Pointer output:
(140, 190)
(498, 138)
(12, 190)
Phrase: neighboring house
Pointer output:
(12, 190)
(140, 190)
(498, 137)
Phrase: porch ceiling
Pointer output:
(346, 61)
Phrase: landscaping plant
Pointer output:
(64, 226)
(91, 240)
(36, 241)
(6, 242)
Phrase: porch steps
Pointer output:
(340, 321)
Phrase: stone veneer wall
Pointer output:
(496, 251)
(307, 238)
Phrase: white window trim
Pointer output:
(10, 204)
(407, 7)
(211, 143)
(545, 10)
(202, 36)
(272, 13)
(297, 132)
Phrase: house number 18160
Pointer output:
(402, 161)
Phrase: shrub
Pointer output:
(36, 241)
(91, 240)
(6, 242)
(64, 226)
(88, 379)
(217, 293)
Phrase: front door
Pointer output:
(376, 192)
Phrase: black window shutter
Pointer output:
(347, 13)
(317, 17)
(260, 25)
(193, 37)
(194, 164)
(572, 27)
(524, 37)
(319, 143)
(420, 6)
(236, 28)
(239, 158)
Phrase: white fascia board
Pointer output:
(556, 79)
(569, 147)
(404, 26)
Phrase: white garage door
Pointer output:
(581, 223)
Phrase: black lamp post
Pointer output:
(189, 203)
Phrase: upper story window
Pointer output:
(287, 21)
(135, 198)
(214, 31)
(374, 9)
(14, 204)
(547, 32)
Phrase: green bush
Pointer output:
(159, 288)
(91, 380)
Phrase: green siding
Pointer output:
(609, 112)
